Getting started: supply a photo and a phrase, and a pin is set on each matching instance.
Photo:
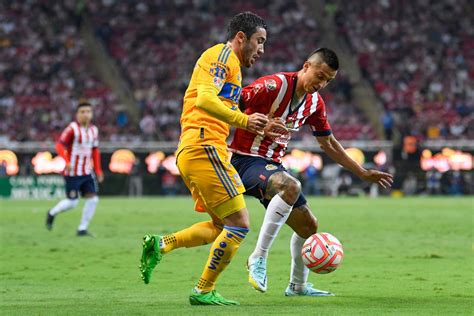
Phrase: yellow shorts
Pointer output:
(214, 183)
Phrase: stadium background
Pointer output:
(404, 94)
(402, 102)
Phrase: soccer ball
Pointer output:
(322, 253)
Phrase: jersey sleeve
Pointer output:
(214, 69)
(95, 143)
(260, 95)
(67, 136)
(218, 77)
(318, 121)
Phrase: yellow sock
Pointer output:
(199, 234)
(222, 250)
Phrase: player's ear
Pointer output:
(240, 36)
(306, 65)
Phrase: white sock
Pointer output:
(275, 216)
(299, 272)
(88, 212)
(63, 205)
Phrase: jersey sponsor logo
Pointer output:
(216, 258)
(257, 87)
(271, 167)
(270, 84)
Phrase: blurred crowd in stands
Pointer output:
(417, 54)
(419, 57)
(44, 71)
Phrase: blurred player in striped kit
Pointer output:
(78, 145)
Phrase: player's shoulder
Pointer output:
(317, 96)
(219, 52)
(275, 82)
(72, 126)
(94, 128)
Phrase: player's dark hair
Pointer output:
(82, 103)
(246, 22)
(328, 56)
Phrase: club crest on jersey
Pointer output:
(270, 167)
(290, 124)
(270, 84)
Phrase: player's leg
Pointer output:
(214, 184)
(236, 226)
(304, 224)
(202, 233)
(282, 190)
(199, 234)
(89, 189)
(70, 202)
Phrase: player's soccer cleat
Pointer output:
(258, 273)
(49, 221)
(209, 298)
(307, 291)
(84, 233)
(151, 256)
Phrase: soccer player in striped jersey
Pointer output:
(78, 145)
(290, 100)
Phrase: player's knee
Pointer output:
(239, 219)
(73, 202)
(291, 189)
(94, 199)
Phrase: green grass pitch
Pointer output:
(402, 257)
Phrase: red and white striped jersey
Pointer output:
(79, 142)
(272, 95)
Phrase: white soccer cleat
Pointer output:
(308, 290)
(258, 273)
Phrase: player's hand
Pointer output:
(100, 178)
(256, 123)
(275, 128)
(383, 179)
(68, 167)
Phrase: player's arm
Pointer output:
(329, 144)
(97, 164)
(334, 149)
(64, 142)
(96, 159)
(208, 88)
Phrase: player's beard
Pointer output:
(248, 54)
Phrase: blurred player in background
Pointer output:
(78, 145)
(290, 100)
(210, 108)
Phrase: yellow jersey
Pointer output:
(219, 68)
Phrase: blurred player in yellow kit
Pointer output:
(210, 108)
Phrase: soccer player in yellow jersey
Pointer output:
(210, 108)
